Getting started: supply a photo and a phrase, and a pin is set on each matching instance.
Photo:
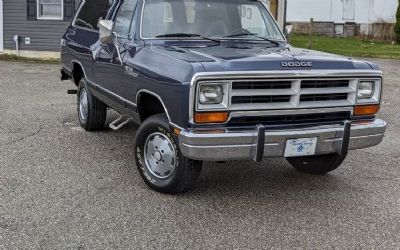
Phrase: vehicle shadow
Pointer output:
(272, 178)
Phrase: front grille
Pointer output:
(304, 119)
(260, 99)
(264, 94)
(324, 84)
(324, 97)
(262, 85)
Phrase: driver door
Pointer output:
(109, 63)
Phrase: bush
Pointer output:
(397, 28)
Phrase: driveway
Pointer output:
(62, 187)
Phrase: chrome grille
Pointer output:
(323, 97)
(261, 99)
(292, 93)
(262, 85)
(324, 83)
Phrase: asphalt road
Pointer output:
(61, 187)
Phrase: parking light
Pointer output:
(366, 110)
(211, 117)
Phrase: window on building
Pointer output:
(50, 9)
(92, 12)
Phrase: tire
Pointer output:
(317, 165)
(93, 116)
(160, 161)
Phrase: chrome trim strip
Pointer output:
(77, 13)
(155, 95)
(228, 75)
(290, 112)
(113, 94)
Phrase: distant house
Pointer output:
(370, 18)
(33, 28)
(278, 9)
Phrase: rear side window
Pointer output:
(91, 12)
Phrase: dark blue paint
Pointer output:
(166, 67)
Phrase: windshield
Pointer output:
(226, 19)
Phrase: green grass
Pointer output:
(14, 58)
(349, 46)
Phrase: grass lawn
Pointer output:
(14, 58)
(348, 46)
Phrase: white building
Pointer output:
(278, 8)
(373, 18)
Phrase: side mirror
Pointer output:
(288, 31)
(106, 31)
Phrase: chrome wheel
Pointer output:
(83, 104)
(160, 155)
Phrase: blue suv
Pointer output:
(216, 80)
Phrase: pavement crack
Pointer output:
(24, 137)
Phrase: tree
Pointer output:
(397, 27)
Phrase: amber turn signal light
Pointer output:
(211, 117)
(366, 110)
(176, 131)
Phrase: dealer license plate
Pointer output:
(300, 147)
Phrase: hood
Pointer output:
(253, 57)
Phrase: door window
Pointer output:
(123, 21)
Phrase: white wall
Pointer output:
(366, 11)
(384, 11)
(281, 12)
(1, 27)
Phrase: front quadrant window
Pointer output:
(124, 18)
(50, 9)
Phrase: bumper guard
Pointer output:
(259, 143)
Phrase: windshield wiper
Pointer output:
(188, 35)
(254, 35)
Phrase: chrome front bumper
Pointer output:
(258, 143)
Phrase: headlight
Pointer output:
(365, 89)
(211, 94)
(369, 91)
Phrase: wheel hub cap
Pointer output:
(160, 155)
(83, 104)
(157, 156)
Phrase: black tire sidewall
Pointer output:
(83, 86)
(150, 126)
